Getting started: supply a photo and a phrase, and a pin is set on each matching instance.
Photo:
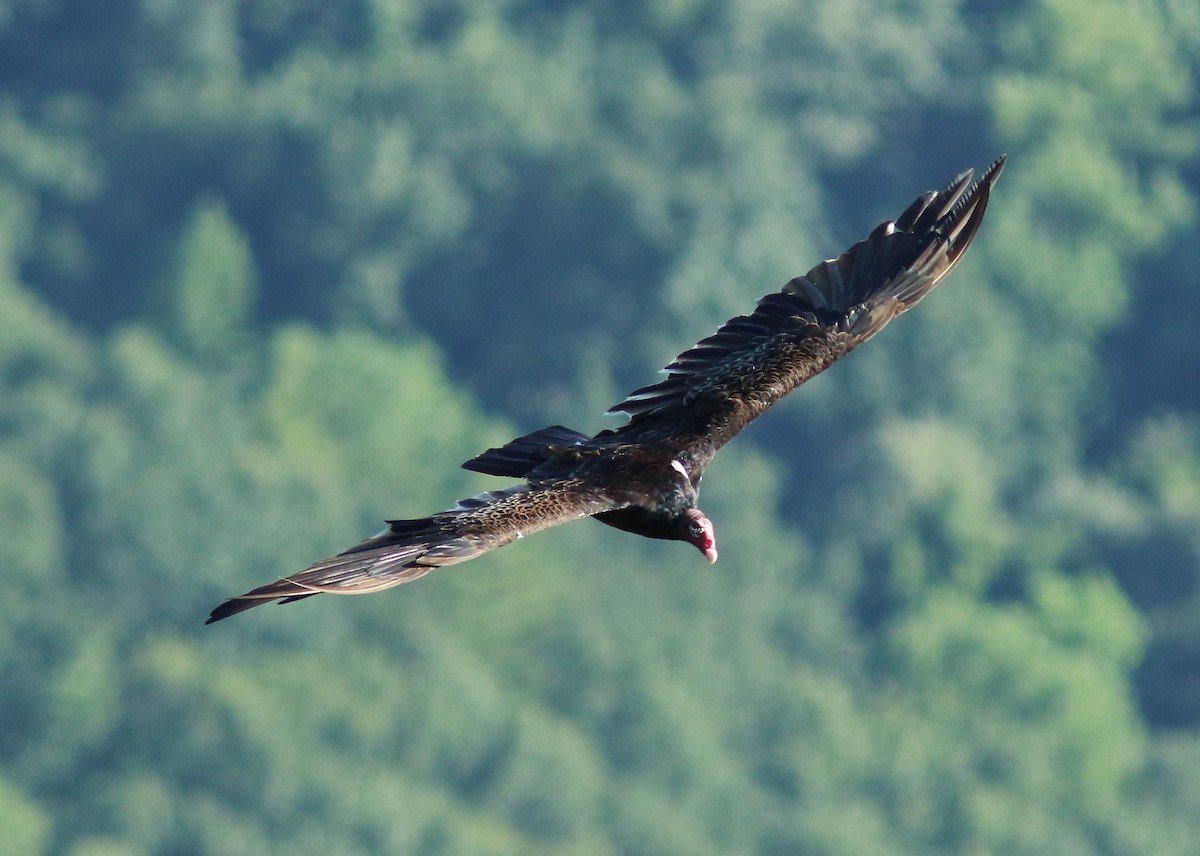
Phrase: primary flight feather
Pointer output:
(644, 476)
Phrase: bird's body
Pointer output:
(644, 477)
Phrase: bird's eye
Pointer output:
(695, 529)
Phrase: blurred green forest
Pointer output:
(270, 270)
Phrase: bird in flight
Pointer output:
(644, 476)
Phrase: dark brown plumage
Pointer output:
(643, 477)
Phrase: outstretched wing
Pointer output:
(715, 389)
(409, 549)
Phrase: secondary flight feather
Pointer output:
(644, 477)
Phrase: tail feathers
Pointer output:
(519, 457)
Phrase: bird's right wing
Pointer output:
(409, 549)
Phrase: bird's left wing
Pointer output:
(409, 549)
(716, 388)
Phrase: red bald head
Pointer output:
(698, 530)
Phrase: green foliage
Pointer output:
(1155, 546)
(1095, 100)
(976, 739)
(26, 827)
(214, 278)
(313, 408)
(269, 272)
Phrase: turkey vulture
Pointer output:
(644, 476)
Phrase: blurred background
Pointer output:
(270, 270)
